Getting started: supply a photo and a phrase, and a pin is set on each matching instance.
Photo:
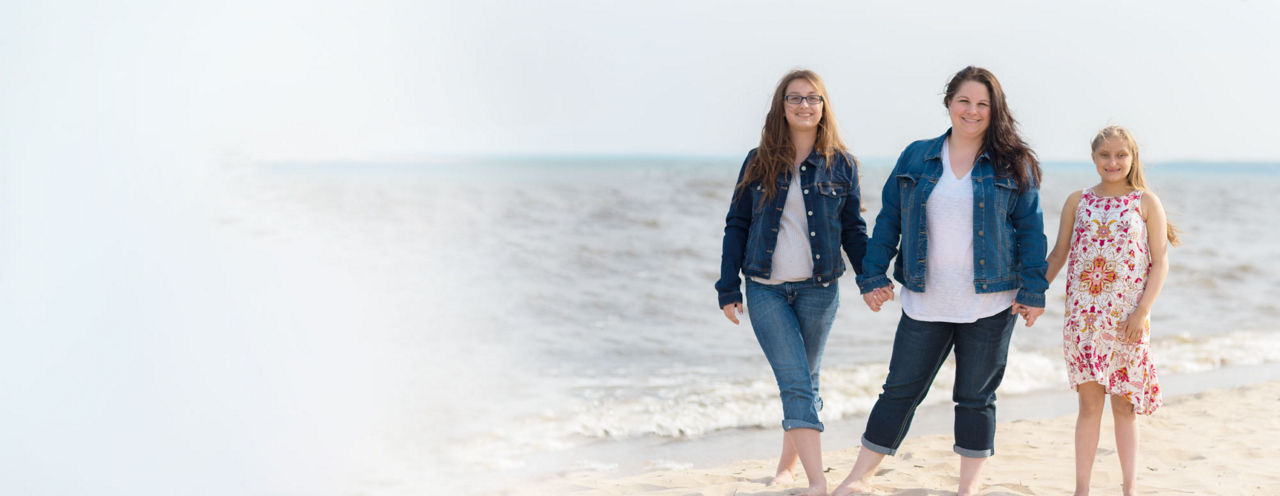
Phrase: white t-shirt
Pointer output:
(792, 257)
(949, 294)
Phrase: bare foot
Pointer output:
(851, 487)
(815, 491)
(782, 478)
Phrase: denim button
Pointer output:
(984, 286)
(810, 213)
(812, 234)
(806, 191)
(982, 262)
(802, 168)
(818, 256)
(774, 229)
(979, 179)
(980, 233)
(980, 204)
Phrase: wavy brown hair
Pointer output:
(1135, 178)
(1009, 152)
(776, 151)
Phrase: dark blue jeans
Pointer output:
(791, 321)
(919, 348)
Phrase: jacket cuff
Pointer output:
(1030, 299)
(730, 297)
(867, 283)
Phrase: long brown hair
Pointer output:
(1009, 152)
(1135, 178)
(776, 151)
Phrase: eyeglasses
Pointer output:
(796, 99)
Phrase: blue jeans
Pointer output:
(791, 321)
(919, 348)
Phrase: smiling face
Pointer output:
(1114, 160)
(970, 110)
(803, 116)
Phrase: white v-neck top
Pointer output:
(949, 294)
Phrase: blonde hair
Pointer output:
(1136, 179)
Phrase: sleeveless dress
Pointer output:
(1106, 276)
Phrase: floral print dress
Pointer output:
(1106, 276)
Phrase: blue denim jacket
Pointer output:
(1009, 244)
(833, 202)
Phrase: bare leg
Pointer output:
(863, 468)
(1126, 441)
(1092, 397)
(808, 445)
(786, 463)
(970, 475)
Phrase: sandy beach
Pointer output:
(1220, 441)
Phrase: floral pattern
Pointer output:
(1106, 275)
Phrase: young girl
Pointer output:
(795, 207)
(1112, 238)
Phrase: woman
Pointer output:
(795, 205)
(962, 214)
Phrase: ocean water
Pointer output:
(465, 324)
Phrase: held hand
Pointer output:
(876, 297)
(732, 311)
(1029, 314)
(872, 301)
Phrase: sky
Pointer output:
(408, 81)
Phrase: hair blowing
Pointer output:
(1135, 178)
(1009, 152)
(776, 151)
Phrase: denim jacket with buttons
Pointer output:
(833, 206)
(1009, 244)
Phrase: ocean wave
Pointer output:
(690, 405)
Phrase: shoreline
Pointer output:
(737, 462)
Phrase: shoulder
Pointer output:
(843, 159)
(1073, 199)
(1150, 202)
(913, 156)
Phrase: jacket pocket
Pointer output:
(1006, 192)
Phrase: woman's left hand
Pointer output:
(1029, 314)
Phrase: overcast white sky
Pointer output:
(324, 80)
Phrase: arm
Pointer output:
(1028, 232)
(1157, 243)
(883, 245)
(734, 247)
(853, 229)
(1066, 224)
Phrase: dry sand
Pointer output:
(1214, 442)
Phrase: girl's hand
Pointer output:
(876, 297)
(732, 311)
(1132, 328)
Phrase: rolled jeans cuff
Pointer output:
(788, 424)
(973, 453)
(877, 448)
